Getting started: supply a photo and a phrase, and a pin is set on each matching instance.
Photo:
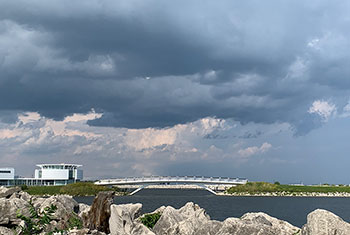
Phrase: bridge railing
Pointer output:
(173, 179)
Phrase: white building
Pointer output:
(47, 174)
(58, 174)
(7, 175)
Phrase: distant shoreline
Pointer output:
(285, 194)
(280, 190)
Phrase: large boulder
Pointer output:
(140, 229)
(210, 227)
(65, 204)
(190, 219)
(66, 208)
(9, 209)
(23, 195)
(322, 222)
(123, 220)
(256, 223)
(7, 192)
(99, 213)
(7, 231)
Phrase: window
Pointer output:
(71, 174)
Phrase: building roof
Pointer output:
(60, 164)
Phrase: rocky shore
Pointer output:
(104, 217)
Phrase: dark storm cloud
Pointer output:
(155, 63)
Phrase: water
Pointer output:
(291, 209)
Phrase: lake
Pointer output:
(291, 209)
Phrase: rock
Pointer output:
(25, 196)
(78, 231)
(190, 219)
(257, 223)
(140, 229)
(99, 213)
(65, 204)
(167, 221)
(96, 232)
(84, 231)
(190, 210)
(7, 231)
(9, 208)
(83, 210)
(22, 195)
(209, 228)
(123, 220)
(322, 222)
(261, 218)
(7, 192)
(66, 207)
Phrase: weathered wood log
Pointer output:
(99, 213)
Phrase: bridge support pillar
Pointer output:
(138, 189)
(207, 188)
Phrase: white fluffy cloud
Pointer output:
(35, 139)
(253, 150)
(126, 148)
(323, 108)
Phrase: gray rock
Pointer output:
(65, 204)
(78, 231)
(66, 207)
(123, 220)
(190, 219)
(167, 222)
(99, 213)
(96, 232)
(83, 209)
(7, 192)
(257, 223)
(22, 195)
(209, 228)
(190, 210)
(6, 231)
(140, 229)
(282, 227)
(9, 209)
(84, 231)
(322, 222)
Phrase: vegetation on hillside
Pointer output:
(264, 187)
(76, 189)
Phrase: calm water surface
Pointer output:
(292, 209)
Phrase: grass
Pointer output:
(264, 187)
(76, 189)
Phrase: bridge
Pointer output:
(200, 181)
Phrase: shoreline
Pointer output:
(285, 194)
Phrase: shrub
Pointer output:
(149, 220)
(24, 187)
(37, 221)
(75, 222)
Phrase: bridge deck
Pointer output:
(170, 179)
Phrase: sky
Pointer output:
(252, 89)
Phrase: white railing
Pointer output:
(171, 179)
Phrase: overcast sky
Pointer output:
(253, 89)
